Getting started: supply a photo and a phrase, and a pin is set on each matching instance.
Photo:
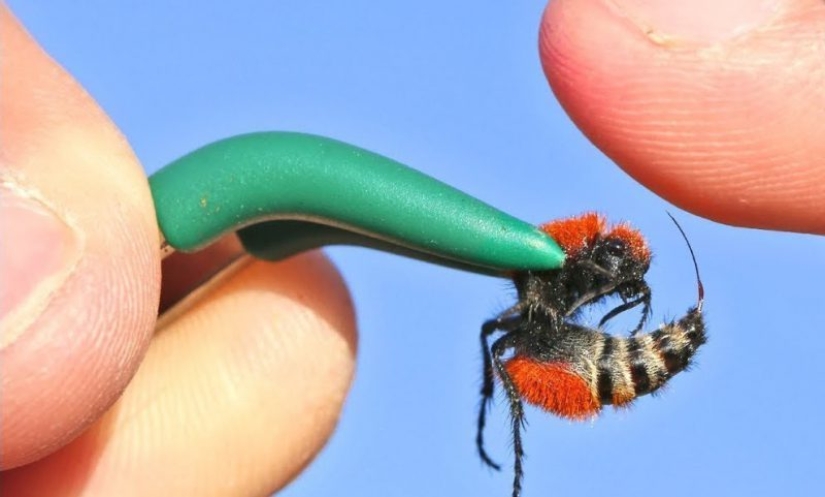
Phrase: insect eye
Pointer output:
(611, 254)
(615, 248)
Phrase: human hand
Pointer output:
(728, 127)
(717, 106)
(232, 395)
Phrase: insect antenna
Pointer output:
(701, 288)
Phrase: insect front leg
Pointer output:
(590, 296)
(507, 321)
(516, 407)
(644, 298)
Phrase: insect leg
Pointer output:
(644, 298)
(589, 297)
(507, 321)
(516, 407)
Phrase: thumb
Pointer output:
(79, 263)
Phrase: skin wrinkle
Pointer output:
(671, 42)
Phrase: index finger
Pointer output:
(715, 106)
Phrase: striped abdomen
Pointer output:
(589, 368)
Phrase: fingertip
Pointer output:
(82, 311)
(272, 348)
(708, 114)
(256, 364)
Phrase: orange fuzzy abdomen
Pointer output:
(553, 387)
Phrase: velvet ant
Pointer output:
(547, 358)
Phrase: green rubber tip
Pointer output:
(350, 194)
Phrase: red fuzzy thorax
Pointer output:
(575, 234)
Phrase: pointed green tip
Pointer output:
(546, 252)
(525, 247)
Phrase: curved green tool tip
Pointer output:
(289, 192)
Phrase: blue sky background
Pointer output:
(455, 89)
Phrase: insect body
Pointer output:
(546, 358)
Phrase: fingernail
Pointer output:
(703, 21)
(38, 251)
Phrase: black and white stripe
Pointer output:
(628, 367)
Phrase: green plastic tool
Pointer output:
(289, 192)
